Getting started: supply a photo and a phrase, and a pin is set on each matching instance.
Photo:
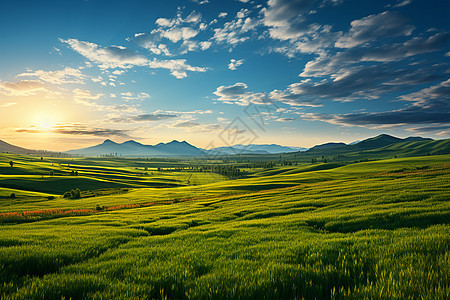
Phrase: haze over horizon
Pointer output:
(219, 73)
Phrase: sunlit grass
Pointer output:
(375, 230)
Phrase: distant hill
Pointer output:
(384, 140)
(327, 146)
(270, 148)
(379, 147)
(133, 148)
(6, 147)
(255, 149)
(378, 141)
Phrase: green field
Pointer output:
(370, 230)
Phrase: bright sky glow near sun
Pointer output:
(294, 72)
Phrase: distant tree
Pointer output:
(76, 194)
(13, 196)
(51, 173)
(73, 194)
(42, 158)
(11, 163)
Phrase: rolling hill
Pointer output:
(6, 147)
(380, 147)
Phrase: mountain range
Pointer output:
(175, 148)
(133, 148)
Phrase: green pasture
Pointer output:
(372, 230)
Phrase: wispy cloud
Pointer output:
(75, 129)
(177, 67)
(22, 88)
(134, 96)
(430, 106)
(386, 24)
(235, 63)
(66, 75)
(238, 94)
(107, 57)
(143, 118)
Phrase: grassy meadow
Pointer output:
(370, 230)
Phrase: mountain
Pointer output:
(6, 147)
(385, 140)
(378, 141)
(416, 139)
(256, 149)
(179, 148)
(382, 146)
(327, 146)
(133, 148)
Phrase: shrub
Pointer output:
(13, 196)
(51, 197)
(99, 208)
(73, 194)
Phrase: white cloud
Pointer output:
(223, 14)
(22, 88)
(205, 45)
(242, 13)
(200, 2)
(176, 34)
(174, 30)
(235, 63)
(85, 94)
(66, 75)
(118, 72)
(286, 18)
(233, 32)
(97, 79)
(107, 57)
(386, 24)
(178, 67)
(238, 94)
(134, 96)
(403, 3)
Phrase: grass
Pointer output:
(373, 230)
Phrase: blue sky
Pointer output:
(215, 73)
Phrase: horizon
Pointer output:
(294, 73)
(185, 141)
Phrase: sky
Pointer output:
(216, 73)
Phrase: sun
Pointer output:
(45, 122)
(46, 126)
